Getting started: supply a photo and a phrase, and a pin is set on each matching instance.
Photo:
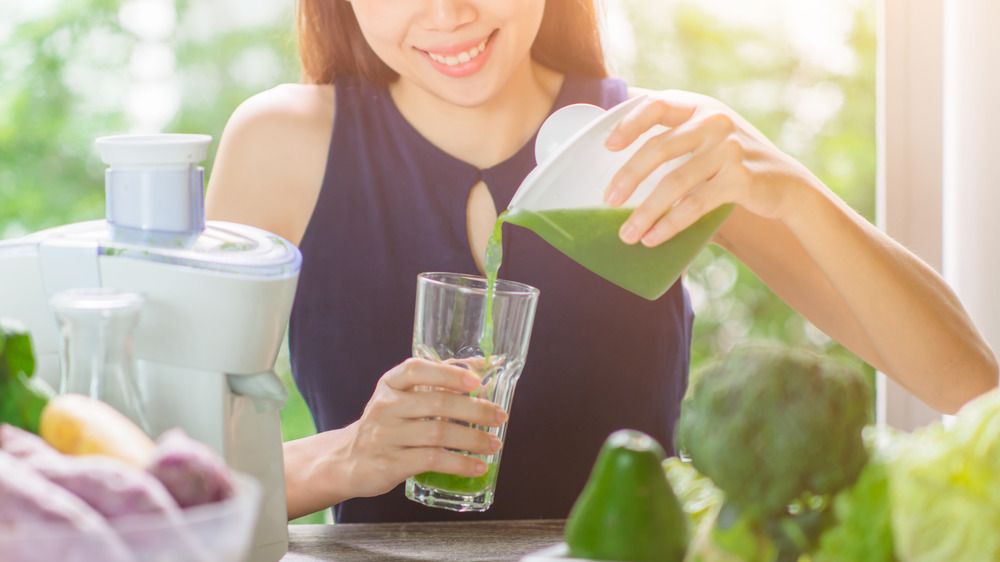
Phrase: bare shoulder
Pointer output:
(271, 159)
(289, 103)
(279, 121)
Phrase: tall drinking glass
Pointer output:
(454, 323)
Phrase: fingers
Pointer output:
(415, 372)
(658, 111)
(681, 198)
(383, 456)
(425, 389)
(409, 426)
(686, 212)
(436, 459)
(449, 435)
(450, 406)
(658, 149)
(714, 174)
(436, 445)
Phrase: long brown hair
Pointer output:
(331, 43)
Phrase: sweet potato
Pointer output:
(112, 487)
(134, 502)
(23, 444)
(191, 470)
(41, 521)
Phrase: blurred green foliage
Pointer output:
(69, 71)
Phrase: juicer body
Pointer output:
(205, 345)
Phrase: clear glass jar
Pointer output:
(97, 326)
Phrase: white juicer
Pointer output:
(217, 300)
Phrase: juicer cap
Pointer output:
(172, 149)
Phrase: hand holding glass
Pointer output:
(452, 325)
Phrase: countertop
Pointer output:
(464, 541)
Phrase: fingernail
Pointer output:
(480, 468)
(612, 141)
(628, 233)
(495, 443)
(501, 416)
(612, 197)
(470, 381)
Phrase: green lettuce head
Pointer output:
(945, 488)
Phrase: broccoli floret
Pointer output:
(774, 427)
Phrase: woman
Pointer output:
(415, 125)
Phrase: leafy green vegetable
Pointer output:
(16, 353)
(740, 535)
(863, 529)
(778, 430)
(944, 491)
(697, 494)
(22, 397)
(720, 534)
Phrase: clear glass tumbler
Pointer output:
(451, 325)
(97, 326)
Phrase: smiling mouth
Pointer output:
(462, 57)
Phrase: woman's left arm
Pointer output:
(834, 267)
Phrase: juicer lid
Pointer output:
(170, 149)
(573, 166)
(223, 247)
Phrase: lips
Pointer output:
(461, 59)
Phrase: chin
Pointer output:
(475, 92)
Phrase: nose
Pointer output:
(447, 15)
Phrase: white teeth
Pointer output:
(462, 57)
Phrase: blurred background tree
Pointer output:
(74, 70)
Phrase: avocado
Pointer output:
(627, 511)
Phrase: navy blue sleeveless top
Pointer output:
(393, 205)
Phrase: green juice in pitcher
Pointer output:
(590, 237)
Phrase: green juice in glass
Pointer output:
(460, 484)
